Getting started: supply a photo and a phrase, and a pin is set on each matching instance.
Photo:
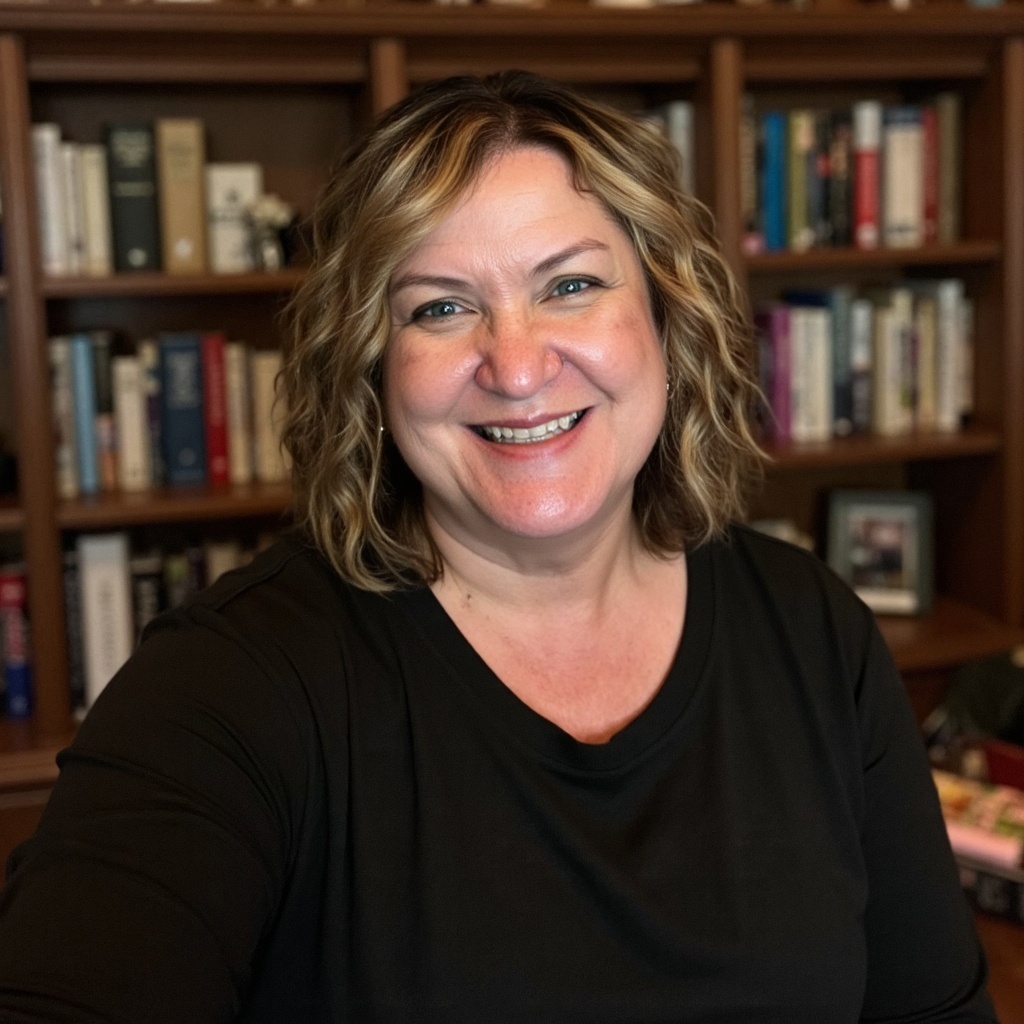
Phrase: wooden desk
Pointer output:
(1004, 946)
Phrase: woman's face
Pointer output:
(524, 381)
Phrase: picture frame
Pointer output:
(881, 543)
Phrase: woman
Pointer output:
(519, 728)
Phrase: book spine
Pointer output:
(753, 237)
(105, 600)
(947, 108)
(679, 131)
(927, 365)
(181, 391)
(799, 398)
(63, 407)
(74, 205)
(774, 187)
(269, 464)
(801, 161)
(147, 590)
(73, 619)
(230, 190)
(840, 193)
(181, 159)
(85, 414)
(903, 313)
(102, 343)
(215, 421)
(132, 428)
(16, 662)
(903, 177)
(98, 256)
(966, 356)
(50, 198)
(949, 295)
(929, 174)
(148, 352)
(819, 373)
(239, 412)
(819, 180)
(841, 299)
(134, 213)
(861, 345)
(886, 380)
(867, 140)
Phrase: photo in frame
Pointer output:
(881, 544)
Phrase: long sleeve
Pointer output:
(924, 959)
(162, 854)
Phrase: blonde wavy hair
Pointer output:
(353, 492)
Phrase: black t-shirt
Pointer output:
(303, 802)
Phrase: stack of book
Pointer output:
(889, 361)
(143, 199)
(985, 823)
(869, 175)
(187, 407)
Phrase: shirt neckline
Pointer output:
(519, 722)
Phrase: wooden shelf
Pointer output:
(173, 504)
(951, 634)
(26, 758)
(143, 284)
(961, 253)
(12, 518)
(875, 449)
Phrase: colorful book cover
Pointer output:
(215, 420)
(85, 414)
(774, 189)
(182, 432)
(867, 144)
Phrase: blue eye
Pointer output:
(572, 286)
(437, 310)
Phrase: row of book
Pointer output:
(146, 199)
(112, 592)
(185, 407)
(869, 175)
(887, 360)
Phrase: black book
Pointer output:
(134, 208)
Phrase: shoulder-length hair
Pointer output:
(352, 490)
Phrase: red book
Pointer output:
(930, 162)
(215, 417)
(867, 141)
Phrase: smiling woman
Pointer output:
(519, 726)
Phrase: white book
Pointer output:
(131, 423)
(239, 412)
(949, 348)
(106, 604)
(98, 257)
(902, 177)
(231, 188)
(679, 131)
(74, 204)
(53, 231)
(269, 464)
(62, 399)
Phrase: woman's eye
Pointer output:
(572, 286)
(437, 310)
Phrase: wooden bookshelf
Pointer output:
(152, 285)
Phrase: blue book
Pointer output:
(181, 421)
(84, 388)
(838, 300)
(774, 188)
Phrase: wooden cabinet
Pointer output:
(289, 87)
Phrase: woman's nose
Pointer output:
(517, 357)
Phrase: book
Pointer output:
(840, 190)
(131, 423)
(62, 401)
(819, 179)
(948, 294)
(73, 623)
(773, 180)
(97, 258)
(231, 188)
(801, 169)
(903, 177)
(147, 585)
(892, 411)
(861, 362)
(811, 363)
(49, 179)
(148, 352)
(102, 343)
(929, 174)
(773, 323)
(17, 668)
(269, 464)
(678, 115)
(215, 421)
(948, 115)
(134, 212)
(85, 413)
(867, 142)
(182, 433)
(70, 155)
(750, 200)
(239, 412)
(105, 600)
(181, 159)
(985, 822)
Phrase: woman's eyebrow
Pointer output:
(563, 256)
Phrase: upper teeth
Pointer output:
(527, 435)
